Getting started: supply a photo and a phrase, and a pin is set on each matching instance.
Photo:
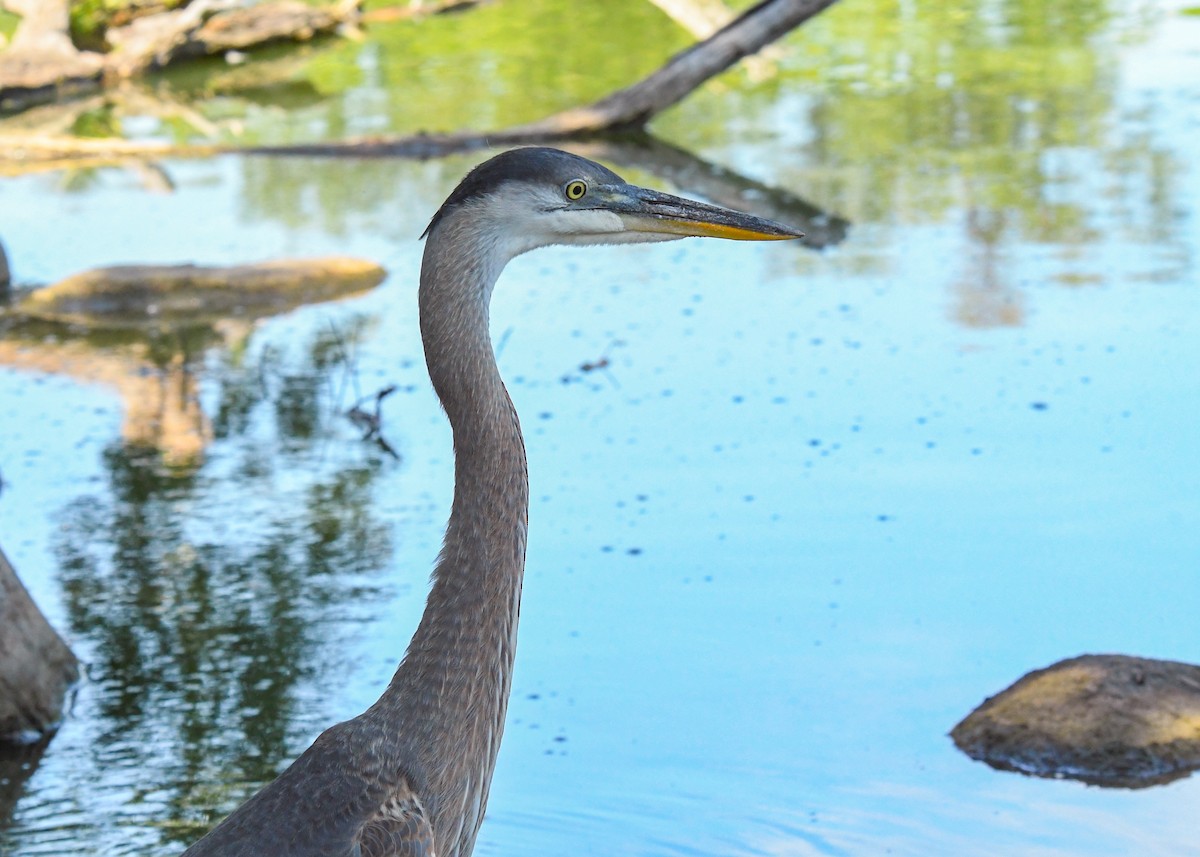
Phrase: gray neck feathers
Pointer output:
(454, 682)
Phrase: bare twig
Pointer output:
(370, 423)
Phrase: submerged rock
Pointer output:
(131, 295)
(36, 667)
(1108, 720)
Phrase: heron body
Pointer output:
(409, 777)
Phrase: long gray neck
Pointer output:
(453, 684)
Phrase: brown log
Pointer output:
(36, 667)
(129, 295)
(215, 26)
(42, 62)
(248, 26)
(152, 41)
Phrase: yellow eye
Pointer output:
(575, 190)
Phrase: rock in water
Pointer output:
(36, 666)
(190, 294)
(1107, 720)
(5, 276)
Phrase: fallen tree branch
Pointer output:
(214, 26)
(41, 62)
(24, 153)
(153, 40)
(160, 295)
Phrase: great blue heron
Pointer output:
(409, 777)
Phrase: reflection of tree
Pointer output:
(143, 330)
(18, 762)
(913, 114)
(355, 195)
(154, 374)
(984, 298)
(907, 113)
(958, 91)
(916, 114)
(202, 607)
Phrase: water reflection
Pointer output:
(203, 637)
(18, 762)
(153, 373)
(994, 119)
(944, 114)
(986, 152)
(985, 297)
(990, 117)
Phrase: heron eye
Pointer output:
(575, 189)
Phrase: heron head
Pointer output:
(534, 197)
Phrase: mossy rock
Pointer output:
(1107, 720)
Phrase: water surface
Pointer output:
(815, 509)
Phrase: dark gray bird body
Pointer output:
(409, 777)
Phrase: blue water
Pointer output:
(817, 506)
